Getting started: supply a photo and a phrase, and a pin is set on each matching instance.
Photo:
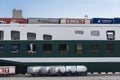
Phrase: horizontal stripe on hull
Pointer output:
(70, 59)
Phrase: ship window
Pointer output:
(1, 35)
(79, 32)
(95, 48)
(47, 37)
(1, 48)
(95, 33)
(110, 48)
(15, 48)
(47, 48)
(63, 48)
(79, 48)
(31, 36)
(15, 35)
(31, 48)
(110, 35)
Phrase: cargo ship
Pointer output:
(59, 46)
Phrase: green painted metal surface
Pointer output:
(87, 52)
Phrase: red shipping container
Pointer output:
(13, 20)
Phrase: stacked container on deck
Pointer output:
(102, 21)
(71, 21)
(75, 20)
(105, 21)
(13, 20)
(43, 20)
(58, 20)
(84, 20)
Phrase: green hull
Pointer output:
(92, 66)
(87, 51)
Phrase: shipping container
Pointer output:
(72, 21)
(43, 20)
(102, 21)
(116, 20)
(13, 20)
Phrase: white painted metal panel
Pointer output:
(57, 31)
(68, 59)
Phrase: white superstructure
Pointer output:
(59, 31)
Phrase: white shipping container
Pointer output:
(43, 20)
(7, 69)
(87, 21)
(72, 21)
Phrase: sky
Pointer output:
(61, 8)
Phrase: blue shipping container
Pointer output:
(102, 21)
(116, 21)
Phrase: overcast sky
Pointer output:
(61, 8)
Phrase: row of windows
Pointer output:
(93, 33)
(110, 34)
(15, 35)
(31, 48)
(63, 48)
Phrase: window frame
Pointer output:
(95, 48)
(95, 33)
(79, 48)
(79, 32)
(110, 48)
(31, 48)
(63, 48)
(47, 48)
(47, 37)
(109, 33)
(29, 36)
(13, 36)
(15, 48)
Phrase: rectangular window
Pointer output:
(63, 48)
(1, 48)
(95, 33)
(110, 48)
(31, 36)
(79, 48)
(79, 32)
(1, 35)
(15, 35)
(31, 48)
(95, 48)
(110, 35)
(15, 48)
(47, 48)
(47, 37)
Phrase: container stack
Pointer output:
(13, 20)
(43, 21)
(105, 21)
(102, 21)
(72, 21)
(84, 20)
